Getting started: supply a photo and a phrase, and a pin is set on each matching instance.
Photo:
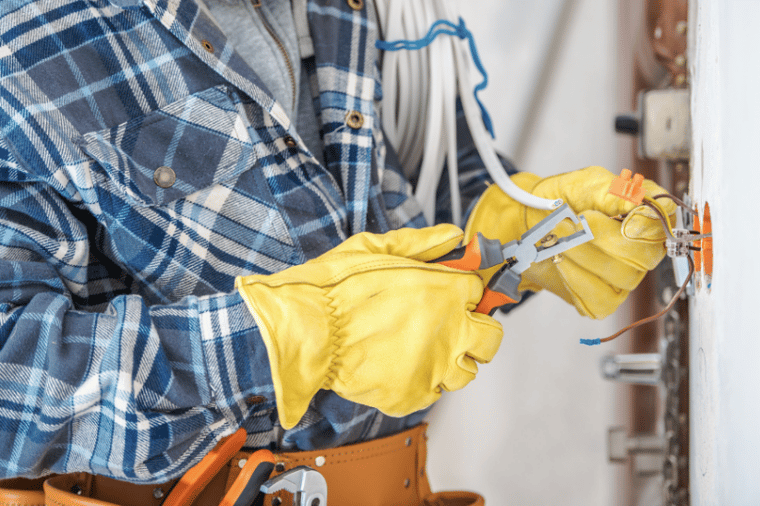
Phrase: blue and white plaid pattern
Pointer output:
(124, 349)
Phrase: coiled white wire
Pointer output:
(419, 104)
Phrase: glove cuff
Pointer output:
(285, 314)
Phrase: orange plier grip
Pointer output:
(493, 300)
(480, 253)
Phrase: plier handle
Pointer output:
(535, 245)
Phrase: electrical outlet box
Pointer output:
(665, 124)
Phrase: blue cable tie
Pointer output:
(591, 342)
(460, 31)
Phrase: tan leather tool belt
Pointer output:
(383, 472)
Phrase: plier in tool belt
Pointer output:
(307, 486)
(535, 245)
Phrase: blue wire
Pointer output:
(591, 342)
(460, 31)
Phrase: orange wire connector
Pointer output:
(628, 189)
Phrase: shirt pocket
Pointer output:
(174, 151)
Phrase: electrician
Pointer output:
(202, 230)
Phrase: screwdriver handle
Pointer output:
(479, 253)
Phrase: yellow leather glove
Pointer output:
(597, 276)
(372, 321)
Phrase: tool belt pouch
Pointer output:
(382, 472)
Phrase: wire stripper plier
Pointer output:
(535, 245)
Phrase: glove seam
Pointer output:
(336, 338)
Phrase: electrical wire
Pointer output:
(666, 226)
(678, 201)
(658, 315)
(420, 88)
(653, 204)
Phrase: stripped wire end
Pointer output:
(628, 189)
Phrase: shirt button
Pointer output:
(354, 119)
(164, 177)
(290, 141)
(356, 4)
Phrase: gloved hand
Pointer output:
(597, 276)
(373, 322)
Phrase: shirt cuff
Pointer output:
(236, 358)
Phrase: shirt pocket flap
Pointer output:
(174, 151)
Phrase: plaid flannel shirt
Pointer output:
(143, 165)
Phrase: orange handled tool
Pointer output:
(247, 486)
(244, 489)
(200, 475)
(535, 245)
(480, 253)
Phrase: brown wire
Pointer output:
(677, 201)
(663, 219)
(661, 313)
(666, 227)
(675, 297)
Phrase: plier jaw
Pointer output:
(538, 243)
(535, 245)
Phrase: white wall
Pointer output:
(531, 428)
(725, 349)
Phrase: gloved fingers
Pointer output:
(588, 189)
(643, 224)
(609, 237)
(339, 267)
(591, 295)
(545, 276)
(459, 374)
(482, 337)
(423, 244)
(610, 269)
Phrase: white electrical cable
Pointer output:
(419, 100)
